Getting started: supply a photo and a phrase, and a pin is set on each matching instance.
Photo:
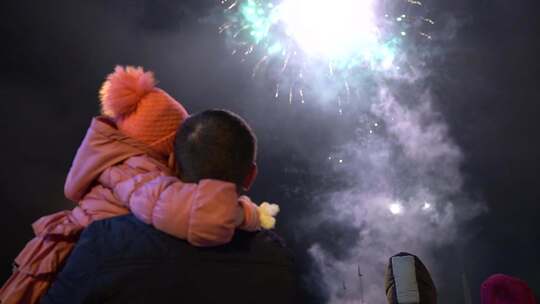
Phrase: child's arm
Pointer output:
(205, 214)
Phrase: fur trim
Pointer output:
(124, 89)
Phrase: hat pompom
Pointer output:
(124, 89)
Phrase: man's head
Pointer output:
(216, 144)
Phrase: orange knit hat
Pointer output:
(141, 110)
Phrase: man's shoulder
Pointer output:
(129, 225)
(115, 224)
(261, 247)
(124, 260)
(115, 234)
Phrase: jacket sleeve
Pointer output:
(204, 214)
(126, 178)
(251, 221)
(214, 213)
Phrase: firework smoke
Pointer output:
(404, 194)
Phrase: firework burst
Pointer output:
(319, 41)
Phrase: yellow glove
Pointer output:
(267, 213)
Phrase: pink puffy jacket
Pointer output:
(111, 175)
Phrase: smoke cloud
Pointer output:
(404, 192)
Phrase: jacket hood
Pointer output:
(408, 281)
(102, 147)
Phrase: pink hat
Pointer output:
(141, 110)
(503, 289)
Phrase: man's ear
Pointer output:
(250, 177)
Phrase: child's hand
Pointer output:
(267, 213)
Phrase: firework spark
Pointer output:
(395, 208)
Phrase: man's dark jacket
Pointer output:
(122, 260)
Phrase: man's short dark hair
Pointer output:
(215, 144)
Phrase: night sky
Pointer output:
(55, 56)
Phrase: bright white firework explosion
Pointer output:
(343, 32)
(305, 41)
